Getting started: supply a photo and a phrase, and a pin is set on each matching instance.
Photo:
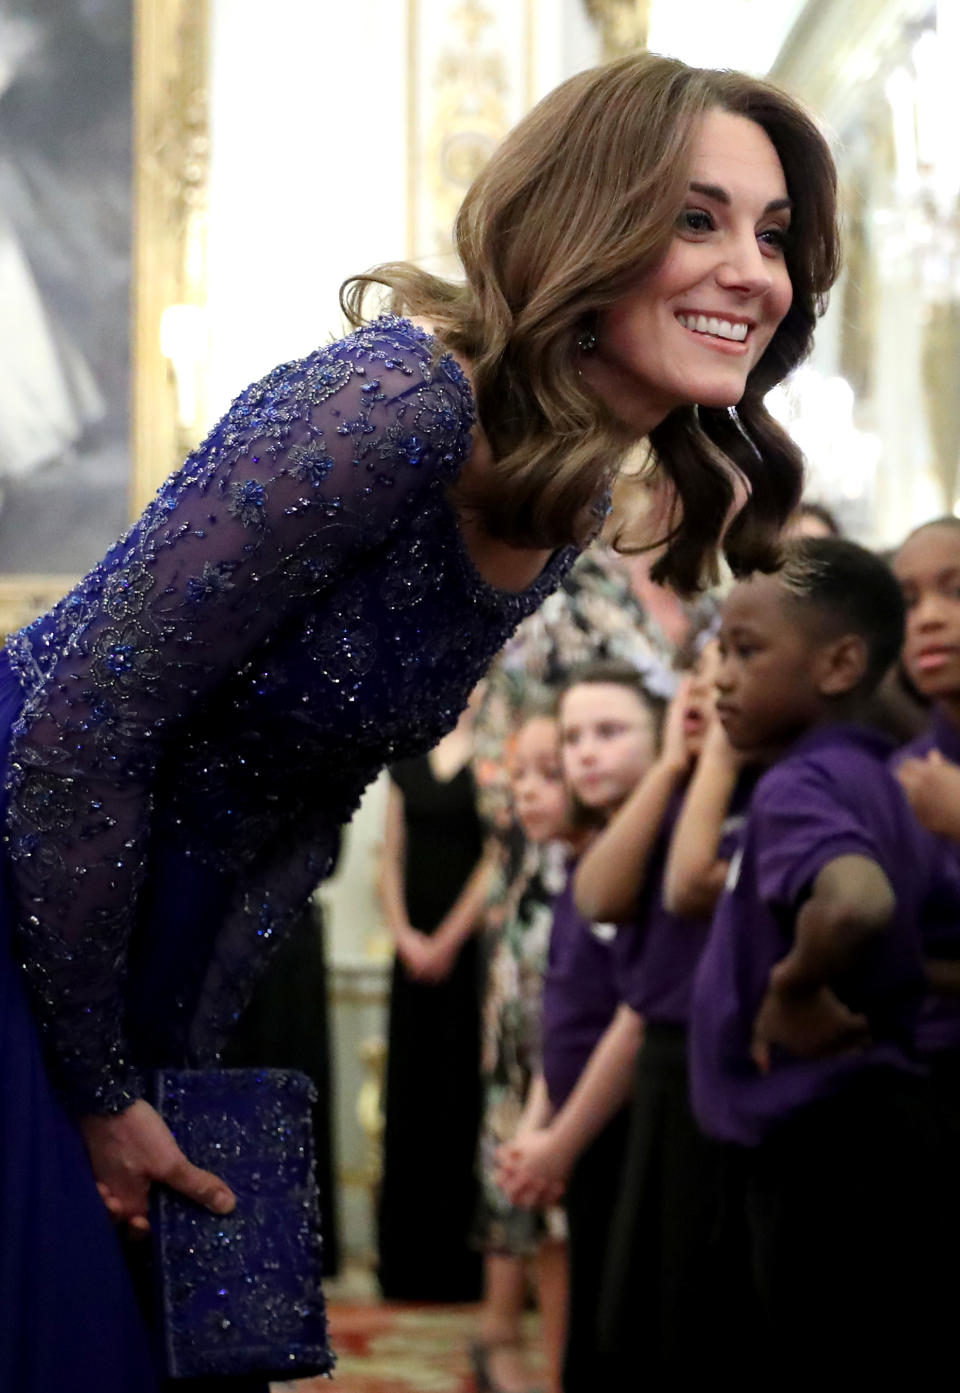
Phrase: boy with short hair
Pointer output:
(806, 999)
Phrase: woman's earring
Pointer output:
(586, 341)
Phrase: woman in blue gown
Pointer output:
(316, 592)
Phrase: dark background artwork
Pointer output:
(66, 156)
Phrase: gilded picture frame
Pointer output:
(168, 74)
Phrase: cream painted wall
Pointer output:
(744, 34)
(308, 171)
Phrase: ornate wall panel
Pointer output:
(624, 24)
(470, 80)
(172, 171)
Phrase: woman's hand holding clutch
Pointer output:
(132, 1149)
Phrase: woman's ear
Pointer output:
(843, 666)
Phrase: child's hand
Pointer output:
(675, 750)
(808, 1023)
(718, 750)
(532, 1171)
(933, 788)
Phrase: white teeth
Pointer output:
(718, 328)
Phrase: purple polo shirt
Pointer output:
(579, 993)
(658, 957)
(939, 1025)
(832, 795)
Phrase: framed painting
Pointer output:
(103, 176)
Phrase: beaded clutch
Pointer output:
(241, 1294)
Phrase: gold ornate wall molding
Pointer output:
(171, 171)
(469, 78)
(170, 164)
(624, 25)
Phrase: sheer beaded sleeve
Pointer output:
(312, 469)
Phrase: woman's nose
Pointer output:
(743, 266)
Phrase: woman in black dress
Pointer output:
(433, 885)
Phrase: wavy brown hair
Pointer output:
(578, 203)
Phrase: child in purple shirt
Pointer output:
(928, 569)
(608, 734)
(806, 997)
(664, 1264)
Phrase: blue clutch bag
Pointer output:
(241, 1294)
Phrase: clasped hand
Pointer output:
(531, 1170)
(133, 1149)
(426, 958)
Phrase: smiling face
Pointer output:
(695, 327)
(608, 741)
(928, 569)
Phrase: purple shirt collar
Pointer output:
(845, 733)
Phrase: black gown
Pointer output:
(429, 1191)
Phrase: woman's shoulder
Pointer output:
(383, 367)
(394, 344)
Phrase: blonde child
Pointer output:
(609, 728)
(511, 1236)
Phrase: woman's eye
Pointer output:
(776, 237)
(695, 220)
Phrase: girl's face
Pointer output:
(694, 329)
(928, 569)
(536, 780)
(608, 739)
(701, 696)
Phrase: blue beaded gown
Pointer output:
(182, 737)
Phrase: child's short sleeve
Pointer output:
(799, 824)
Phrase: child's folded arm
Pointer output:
(695, 873)
(851, 901)
(612, 870)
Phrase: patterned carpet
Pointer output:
(397, 1348)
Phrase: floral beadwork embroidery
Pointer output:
(294, 609)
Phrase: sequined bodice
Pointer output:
(295, 609)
